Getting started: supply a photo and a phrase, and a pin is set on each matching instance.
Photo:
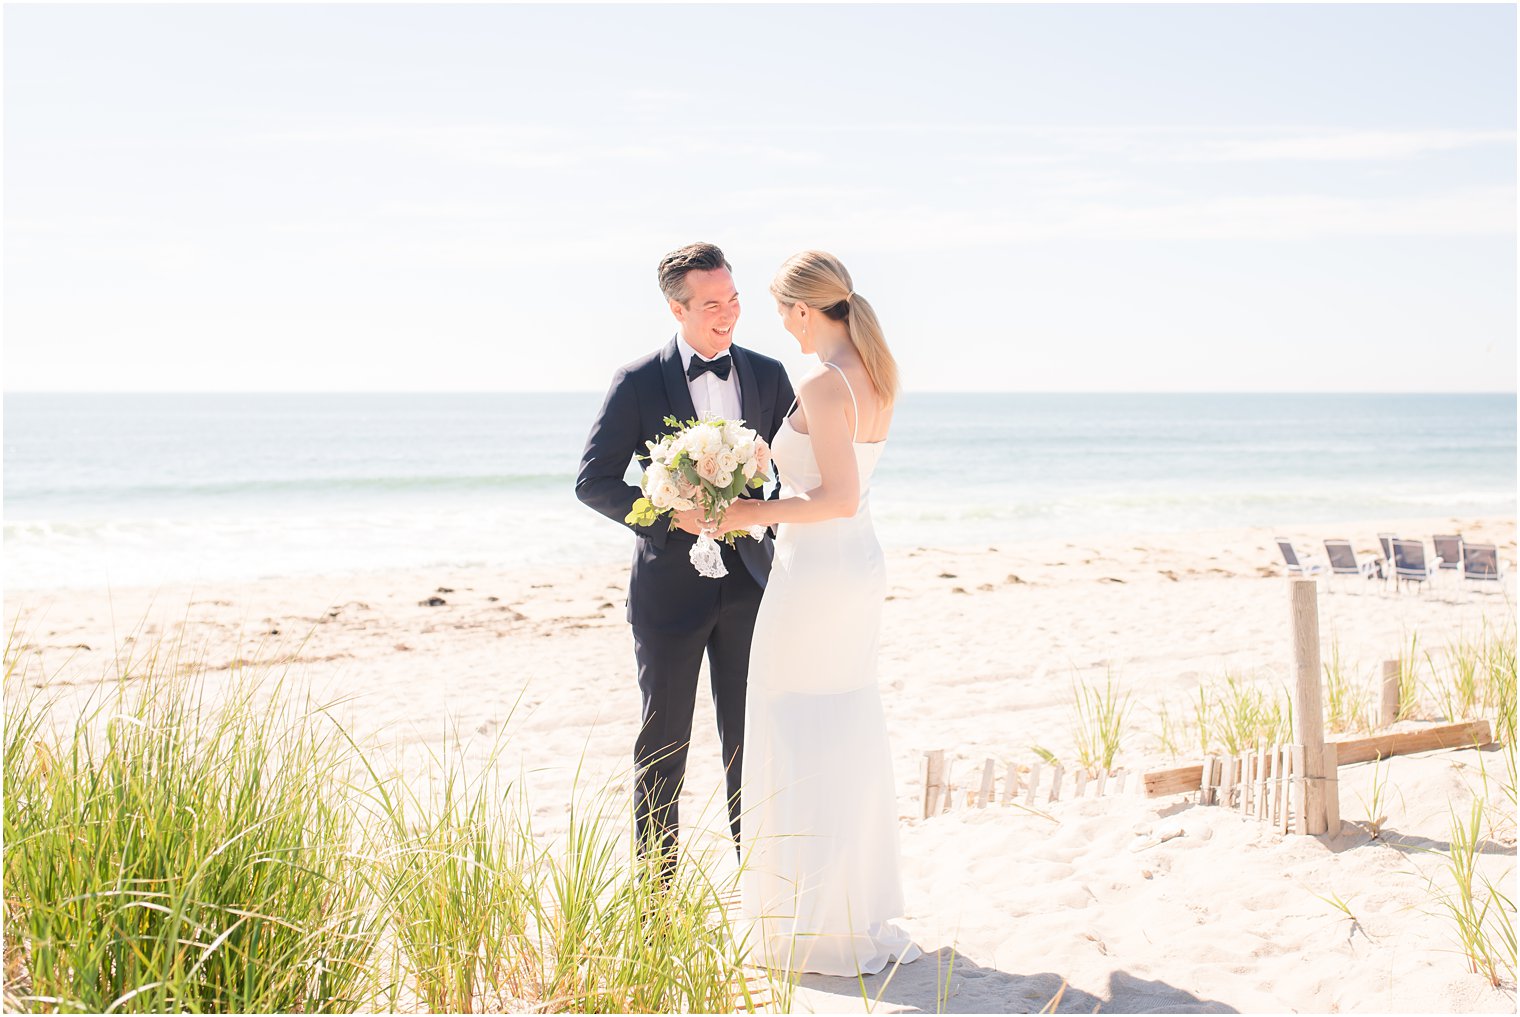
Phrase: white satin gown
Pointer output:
(822, 864)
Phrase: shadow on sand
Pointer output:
(949, 982)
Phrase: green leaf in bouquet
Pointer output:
(689, 473)
(643, 513)
(756, 481)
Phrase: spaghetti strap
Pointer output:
(856, 436)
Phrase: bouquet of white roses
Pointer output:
(705, 464)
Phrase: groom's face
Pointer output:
(708, 316)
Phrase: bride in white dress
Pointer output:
(821, 877)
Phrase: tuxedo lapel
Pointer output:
(749, 390)
(675, 383)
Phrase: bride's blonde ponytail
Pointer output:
(820, 280)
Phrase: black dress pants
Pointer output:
(669, 664)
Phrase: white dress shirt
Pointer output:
(710, 394)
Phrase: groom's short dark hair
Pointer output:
(691, 258)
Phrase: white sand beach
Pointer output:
(980, 650)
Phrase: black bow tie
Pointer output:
(719, 367)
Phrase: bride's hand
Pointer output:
(690, 520)
(739, 516)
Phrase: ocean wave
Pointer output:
(169, 493)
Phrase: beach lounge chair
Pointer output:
(1480, 564)
(1385, 564)
(1290, 558)
(1448, 549)
(1409, 565)
(1343, 561)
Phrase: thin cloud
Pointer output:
(907, 227)
(1343, 147)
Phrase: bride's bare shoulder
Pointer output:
(823, 385)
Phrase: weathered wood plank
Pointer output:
(1303, 781)
(1467, 734)
(1308, 699)
(1274, 808)
(1283, 819)
(934, 764)
(1261, 783)
(1332, 790)
(1388, 704)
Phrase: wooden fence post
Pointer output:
(934, 766)
(1261, 784)
(1301, 795)
(1332, 791)
(984, 795)
(1308, 703)
(1274, 809)
(1284, 817)
(1390, 702)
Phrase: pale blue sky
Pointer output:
(1036, 198)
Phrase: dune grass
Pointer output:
(1238, 715)
(1482, 916)
(167, 854)
(1099, 715)
(1470, 677)
(1348, 702)
(179, 847)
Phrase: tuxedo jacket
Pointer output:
(665, 593)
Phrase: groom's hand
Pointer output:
(690, 520)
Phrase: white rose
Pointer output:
(724, 478)
(661, 490)
(749, 469)
(727, 461)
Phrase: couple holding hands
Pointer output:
(790, 633)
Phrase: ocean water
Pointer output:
(142, 489)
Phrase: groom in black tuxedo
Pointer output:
(676, 614)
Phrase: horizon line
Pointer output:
(599, 391)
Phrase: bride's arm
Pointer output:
(826, 402)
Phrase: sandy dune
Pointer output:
(980, 651)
